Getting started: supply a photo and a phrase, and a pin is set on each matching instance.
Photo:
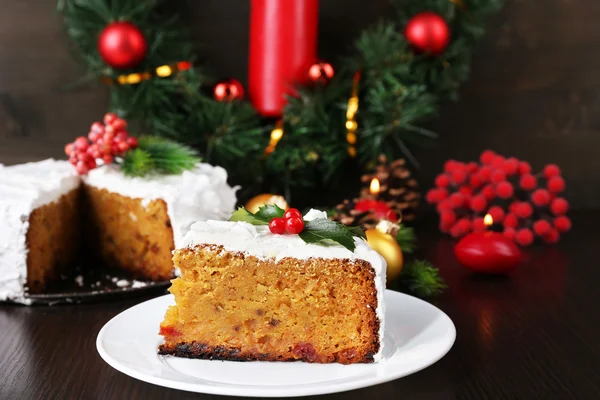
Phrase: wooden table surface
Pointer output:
(535, 335)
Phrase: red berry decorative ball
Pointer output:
(277, 226)
(229, 90)
(82, 168)
(457, 200)
(294, 225)
(444, 206)
(474, 181)
(552, 237)
(442, 180)
(551, 170)
(504, 190)
(511, 166)
(450, 165)
(479, 224)
(459, 176)
(498, 176)
(556, 184)
(109, 118)
(524, 168)
(487, 156)
(465, 191)
(524, 237)
(559, 206)
(427, 32)
(122, 45)
(485, 173)
(69, 149)
(498, 162)
(541, 227)
(81, 143)
(448, 218)
(464, 225)
(456, 232)
(562, 224)
(292, 213)
(489, 192)
(512, 207)
(472, 167)
(478, 203)
(528, 182)
(524, 210)
(541, 197)
(497, 213)
(511, 221)
(509, 233)
(431, 196)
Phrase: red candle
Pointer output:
(283, 45)
(380, 208)
(488, 252)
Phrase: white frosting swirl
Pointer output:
(259, 242)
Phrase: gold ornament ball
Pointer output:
(386, 245)
(257, 202)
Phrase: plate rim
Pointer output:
(274, 391)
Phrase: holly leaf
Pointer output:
(325, 230)
(243, 215)
(357, 231)
(268, 212)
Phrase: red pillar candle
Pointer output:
(283, 46)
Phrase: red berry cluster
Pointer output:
(104, 142)
(524, 204)
(291, 222)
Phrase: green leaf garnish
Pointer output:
(243, 215)
(325, 230)
(268, 212)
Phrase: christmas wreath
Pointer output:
(393, 79)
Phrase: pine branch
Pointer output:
(422, 279)
(406, 238)
(159, 156)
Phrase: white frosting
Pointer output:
(24, 188)
(259, 242)
(195, 195)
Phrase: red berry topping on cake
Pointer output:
(551, 170)
(97, 127)
(541, 197)
(109, 118)
(541, 227)
(556, 184)
(132, 142)
(277, 226)
(504, 190)
(69, 149)
(487, 156)
(292, 213)
(524, 237)
(294, 225)
(562, 223)
(81, 143)
(528, 182)
(559, 206)
(119, 124)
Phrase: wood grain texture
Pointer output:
(532, 94)
(531, 336)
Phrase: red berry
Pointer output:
(552, 237)
(524, 210)
(556, 184)
(132, 142)
(80, 155)
(82, 168)
(73, 159)
(472, 167)
(444, 206)
(511, 221)
(292, 213)
(91, 163)
(479, 225)
(498, 162)
(528, 182)
(442, 180)
(294, 225)
(509, 233)
(504, 190)
(108, 138)
(69, 149)
(81, 143)
(114, 149)
(497, 213)
(512, 207)
(94, 151)
(94, 136)
(478, 203)
(562, 223)
(458, 176)
(457, 200)
(474, 181)
(120, 137)
(450, 165)
(541, 227)
(109, 118)
(432, 197)
(456, 232)
(510, 166)
(485, 173)
(488, 192)
(123, 147)
(524, 237)
(107, 158)
(447, 218)
(277, 226)
(551, 170)
(541, 197)
(442, 194)
(97, 127)
(498, 176)
(464, 225)
(559, 206)
(119, 124)
(109, 130)
(466, 191)
(487, 156)
(524, 168)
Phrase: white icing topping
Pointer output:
(24, 188)
(259, 242)
(195, 195)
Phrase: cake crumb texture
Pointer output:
(232, 306)
(52, 239)
(127, 234)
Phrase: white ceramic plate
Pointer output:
(417, 334)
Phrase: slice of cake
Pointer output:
(39, 225)
(247, 294)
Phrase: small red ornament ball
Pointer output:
(122, 45)
(541, 227)
(559, 206)
(562, 223)
(504, 190)
(277, 226)
(294, 225)
(524, 237)
(552, 237)
(229, 90)
(427, 32)
(442, 180)
(528, 182)
(556, 184)
(320, 72)
(541, 197)
(551, 170)
(487, 156)
(497, 213)
(478, 203)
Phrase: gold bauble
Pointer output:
(386, 245)
(263, 199)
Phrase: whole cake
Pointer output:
(246, 293)
(134, 224)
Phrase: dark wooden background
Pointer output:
(534, 91)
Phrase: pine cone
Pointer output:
(397, 188)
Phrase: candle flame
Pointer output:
(375, 186)
(488, 220)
